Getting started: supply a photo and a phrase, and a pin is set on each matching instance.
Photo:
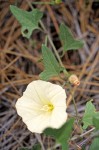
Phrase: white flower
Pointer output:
(42, 105)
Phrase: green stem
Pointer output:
(75, 106)
(52, 44)
(57, 55)
(77, 115)
(46, 39)
(54, 48)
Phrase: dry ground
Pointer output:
(19, 64)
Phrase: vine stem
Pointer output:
(75, 107)
(54, 48)
(77, 116)
(52, 44)
(56, 53)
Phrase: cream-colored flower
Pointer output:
(42, 105)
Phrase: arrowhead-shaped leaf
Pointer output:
(88, 115)
(96, 120)
(95, 144)
(52, 67)
(91, 117)
(36, 147)
(69, 43)
(28, 20)
(61, 135)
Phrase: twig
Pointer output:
(83, 134)
(39, 140)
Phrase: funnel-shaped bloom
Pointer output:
(42, 105)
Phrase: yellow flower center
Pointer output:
(47, 107)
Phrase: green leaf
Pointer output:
(61, 135)
(58, 1)
(28, 20)
(69, 43)
(91, 117)
(51, 65)
(95, 144)
(96, 120)
(36, 147)
(88, 115)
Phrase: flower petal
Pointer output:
(27, 108)
(36, 90)
(58, 117)
(37, 94)
(56, 94)
(43, 91)
(39, 123)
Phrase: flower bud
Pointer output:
(73, 79)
